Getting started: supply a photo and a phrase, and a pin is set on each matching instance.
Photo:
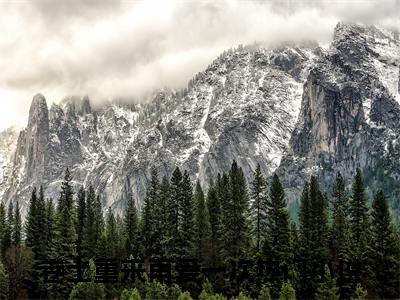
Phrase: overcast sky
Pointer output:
(108, 48)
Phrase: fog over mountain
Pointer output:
(110, 49)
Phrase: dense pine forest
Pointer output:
(233, 240)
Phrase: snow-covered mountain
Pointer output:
(295, 109)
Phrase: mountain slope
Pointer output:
(296, 109)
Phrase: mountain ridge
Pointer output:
(292, 109)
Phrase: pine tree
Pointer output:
(265, 293)
(135, 295)
(328, 289)
(88, 290)
(215, 212)
(278, 232)
(64, 240)
(186, 229)
(359, 217)
(149, 234)
(360, 293)
(81, 222)
(132, 228)
(287, 292)
(111, 234)
(31, 221)
(49, 226)
(237, 231)
(7, 237)
(98, 224)
(385, 254)
(340, 235)
(41, 217)
(305, 251)
(90, 231)
(313, 236)
(4, 283)
(185, 296)
(17, 226)
(202, 225)
(173, 201)
(3, 226)
(166, 219)
(360, 228)
(339, 193)
(259, 206)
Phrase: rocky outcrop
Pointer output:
(349, 110)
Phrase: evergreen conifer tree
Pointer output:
(3, 220)
(359, 217)
(237, 231)
(385, 254)
(8, 230)
(287, 292)
(328, 289)
(149, 235)
(314, 233)
(340, 235)
(187, 242)
(17, 226)
(98, 224)
(31, 221)
(202, 225)
(4, 283)
(278, 232)
(132, 228)
(64, 240)
(215, 212)
(81, 222)
(259, 206)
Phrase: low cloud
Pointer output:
(110, 49)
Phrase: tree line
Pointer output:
(338, 237)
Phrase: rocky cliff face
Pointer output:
(350, 107)
(297, 109)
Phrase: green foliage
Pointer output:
(241, 296)
(81, 219)
(384, 251)
(278, 248)
(185, 296)
(187, 226)
(3, 224)
(174, 292)
(135, 295)
(202, 226)
(215, 212)
(259, 206)
(131, 228)
(287, 292)
(149, 222)
(328, 289)
(340, 234)
(359, 217)
(64, 240)
(236, 211)
(360, 293)
(156, 290)
(176, 222)
(313, 236)
(90, 290)
(4, 282)
(265, 293)
(130, 295)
